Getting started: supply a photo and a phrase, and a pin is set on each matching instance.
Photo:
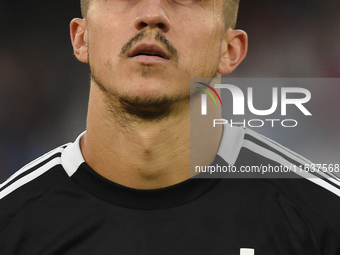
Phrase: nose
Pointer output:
(151, 14)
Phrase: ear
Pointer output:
(78, 30)
(234, 50)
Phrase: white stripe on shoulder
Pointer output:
(29, 177)
(34, 174)
(291, 154)
(279, 159)
(33, 163)
(275, 145)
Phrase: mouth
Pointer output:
(149, 53)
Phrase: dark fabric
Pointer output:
(87, 214)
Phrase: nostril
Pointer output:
(160, 26)
(154, 18)
(143, 25)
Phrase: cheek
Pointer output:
(203, 58)
(103, 40)
(102, 50)
(108, 64)
(202, 47)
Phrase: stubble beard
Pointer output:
(126, 108)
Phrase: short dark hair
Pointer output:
(230, 11)
(84, 6)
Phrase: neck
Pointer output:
(143, 154)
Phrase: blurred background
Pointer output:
(44, 89)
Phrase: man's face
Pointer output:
(149, 49)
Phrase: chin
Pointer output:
(150, 90)
(148, 107)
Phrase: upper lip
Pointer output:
(146, 49)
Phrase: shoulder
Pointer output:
(31, 171)
(285, 182)
(29, 183)
(313, 191)
(256, 156)
(260, 150)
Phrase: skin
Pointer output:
(151, 152)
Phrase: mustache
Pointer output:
(158, 37)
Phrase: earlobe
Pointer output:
(78, 31)
(234, 50)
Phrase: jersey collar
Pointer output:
(72, 158)
(229, 149)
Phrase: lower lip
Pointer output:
(149, 59)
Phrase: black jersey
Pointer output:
(59, 205)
